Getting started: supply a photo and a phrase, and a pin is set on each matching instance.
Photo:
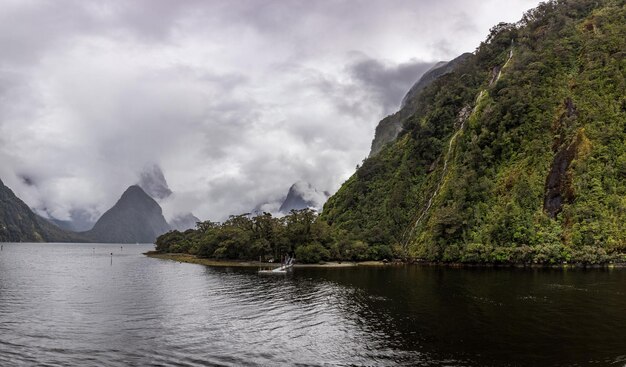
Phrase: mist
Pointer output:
(235, 101)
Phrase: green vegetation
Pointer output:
(516, 156)
(19, 224)
(537, 174)
(242, 237)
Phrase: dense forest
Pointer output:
(244, 237)
(517, 156)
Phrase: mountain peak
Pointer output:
(303, 195)
(136, 217)
(134, 190)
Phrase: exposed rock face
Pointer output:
(388, 129)
(153, 182)
(558, 189)
(303, 195)
(135, 218)
(184, 222)
(19, 224)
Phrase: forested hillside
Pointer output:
(519, 155)
(19, 224)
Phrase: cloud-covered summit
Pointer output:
(235, 99)
(153, 182)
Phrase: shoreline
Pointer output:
(192, 259)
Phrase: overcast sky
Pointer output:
(235, 100)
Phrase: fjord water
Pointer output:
(74, 304)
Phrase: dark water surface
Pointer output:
(68, 304)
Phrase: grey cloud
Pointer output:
(235, 100)
(389, 83)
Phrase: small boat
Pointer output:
(280, 270)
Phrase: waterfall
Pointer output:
(505, 64)
(463, 117)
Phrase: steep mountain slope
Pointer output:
(388, 128)
(518, 155)
(19, 224)
(136, 217)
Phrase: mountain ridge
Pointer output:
(391, 126)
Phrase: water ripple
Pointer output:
(70, 305)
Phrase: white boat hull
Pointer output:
(282, 270)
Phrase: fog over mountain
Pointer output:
(235, 100)
(153, 182)
(303, 195)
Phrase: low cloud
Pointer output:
(234, 100)
(388, 82)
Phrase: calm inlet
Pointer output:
(75, 304)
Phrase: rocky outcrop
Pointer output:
(558, 187)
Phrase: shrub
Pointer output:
(476, 253)
(379, 252)
(549, 254)
(358, 251)
(452, 253)
(590, 255)
(312, 253)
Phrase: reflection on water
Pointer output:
(74, 305)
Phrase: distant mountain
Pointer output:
(303, 195)
(184, 222)
(19, 224)
(153, 182)
(136, 217)
(388, 128)
(80, 221)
